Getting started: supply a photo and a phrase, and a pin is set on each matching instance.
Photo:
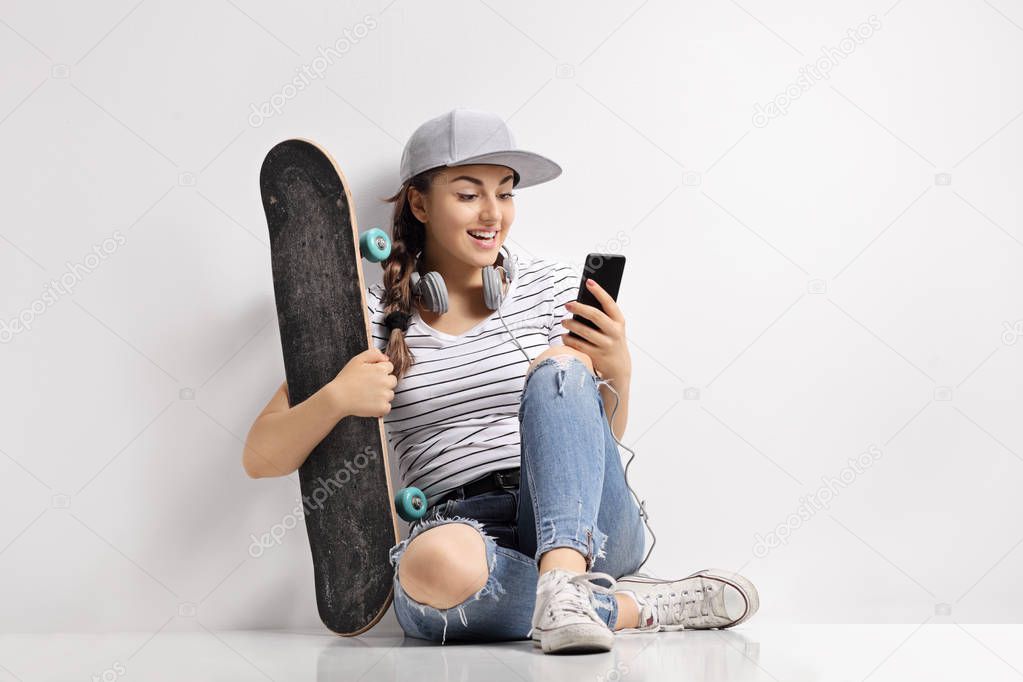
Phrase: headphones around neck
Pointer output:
(434, 293)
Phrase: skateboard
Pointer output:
(316, 256)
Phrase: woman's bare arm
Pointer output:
(282, 437)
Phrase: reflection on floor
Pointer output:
(946, 651)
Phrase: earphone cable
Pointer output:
(644, 514)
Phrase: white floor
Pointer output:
(803, 652)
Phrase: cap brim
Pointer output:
(533, 169)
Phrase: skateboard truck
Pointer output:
(375, 246)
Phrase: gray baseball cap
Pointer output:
(466, 136)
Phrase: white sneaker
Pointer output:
(565, 619)
(712, 598)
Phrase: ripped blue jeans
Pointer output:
(571, 480)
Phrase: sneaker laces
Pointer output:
(677, 609)
(571, 593)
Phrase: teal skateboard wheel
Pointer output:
(374, 245)
(410, 504)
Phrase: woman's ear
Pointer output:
(416, 202)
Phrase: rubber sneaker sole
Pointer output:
(577, 638)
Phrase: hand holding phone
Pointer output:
(607, 270)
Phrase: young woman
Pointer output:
(500, 417)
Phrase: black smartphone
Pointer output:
(606, 269)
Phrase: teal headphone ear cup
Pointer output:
(431, 290)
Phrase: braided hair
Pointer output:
(408, 237)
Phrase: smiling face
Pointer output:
(464, 200)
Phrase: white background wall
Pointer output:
(799, 289)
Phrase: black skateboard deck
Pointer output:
(322, 314)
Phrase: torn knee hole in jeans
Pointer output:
(492, 588)
(563, 361)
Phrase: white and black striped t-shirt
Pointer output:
(454, 416)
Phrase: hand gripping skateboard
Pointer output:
(316, 251)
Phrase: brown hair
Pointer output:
(408, 237)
